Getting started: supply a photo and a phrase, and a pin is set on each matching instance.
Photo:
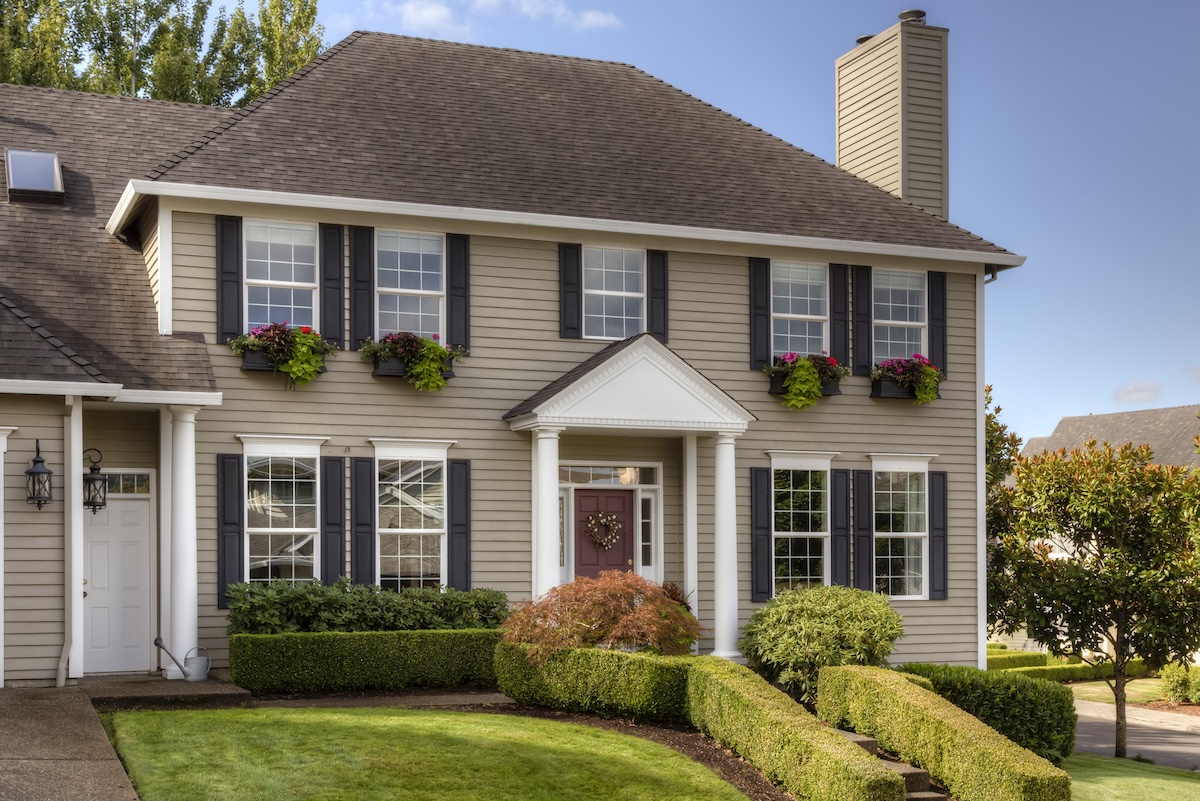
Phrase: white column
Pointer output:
(73, 588)
(725, 551)
(185, 605)
(163, 492)
(4, 432)
(691, 526)
(545, 479)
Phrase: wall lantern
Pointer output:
(37, 479)
(95, 485)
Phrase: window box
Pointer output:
(776, 387)
(888, 388)
(398, 367)
(256, 361)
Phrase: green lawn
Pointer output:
(369, 754)
(1100, 778)
(1138, 691)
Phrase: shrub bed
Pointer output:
(281, 607)
(1033, 713)
(973, 761)
(1079, 671)
(1004, 660)
(1180, 683)
(377, 660)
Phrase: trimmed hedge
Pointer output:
(972, 760)
(370, 660)
(1014, 659)
(724, 700)
(1079, 672)
(997, 646)
(1033, 713)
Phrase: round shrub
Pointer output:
(801, 631)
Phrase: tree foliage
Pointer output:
(37, 43)
(1102, 559)
(1001, 450)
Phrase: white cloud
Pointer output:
(556, 11)
(428, 18)
(1137, 392)
(588, 20)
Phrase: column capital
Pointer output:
(727, 437)
(541, 431)
(185, 414)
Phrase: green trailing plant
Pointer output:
(799, 632)
(804, 376)
(915, 373)
(425, 358)
(299, 353)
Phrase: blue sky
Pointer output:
(1075, 141)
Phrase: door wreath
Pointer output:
(611, 526)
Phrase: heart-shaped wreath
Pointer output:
(611, 526)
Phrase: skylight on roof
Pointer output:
(33, 174)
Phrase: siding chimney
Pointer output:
(892, 125)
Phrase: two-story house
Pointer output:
(620, 258)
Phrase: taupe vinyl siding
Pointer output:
(926, 144)
(195, 242)
(148, 231)
(126, 438)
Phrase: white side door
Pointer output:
(117, 569)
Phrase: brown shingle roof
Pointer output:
(1169, 432)
(400, 119)
(87, 290)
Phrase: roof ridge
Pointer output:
(476, 46)
(54, 341)
(240, 114)
(1093, 416)
(108, 96)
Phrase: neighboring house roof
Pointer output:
(1169, 432)
(393, 118)
(77, 303)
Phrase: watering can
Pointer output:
(194, 668)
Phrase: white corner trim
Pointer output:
(900, 461)
(802, 460)
(981, 485)
(26, 386)
(140, 188)
(169, 397)
(411, 448)
(166, 267)
(4, 432)
(281, 445)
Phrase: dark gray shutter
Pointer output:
(229, 278)
(362, 520)
(230, 525)
(333, 518)
(362, 285)
(332, 285)
(458, 291)
(839, 313)
(761, 567)
(863, 336)
(937, 320)
(656, 294)
(458, 528)
(570, 291)
(864, 530)
(760, 313)
(839, 527)
(939, 573)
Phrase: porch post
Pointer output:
(545, 480)
(691, 526)
(185, 603)
(725, 551)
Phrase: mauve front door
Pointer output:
(593, 505)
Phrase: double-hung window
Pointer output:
(901, 527)
(410, 283)
(799, 520)
(899, 314)
(281, 273)
(799, 308)
(281, 495)
(614, 293)
(411, 513)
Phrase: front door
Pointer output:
(116, 629)
(605, 530)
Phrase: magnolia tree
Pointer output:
(1101, 558)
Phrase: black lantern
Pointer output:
(37, 480)
(95, 485)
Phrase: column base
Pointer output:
(732, 656)
(172, 673)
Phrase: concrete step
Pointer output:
(925, 795)
(916, 780)
(119, 693)
(868, 744)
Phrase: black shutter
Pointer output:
(230, 525)
(570, 291)
(362, 285)
(458, 528)
(839, 531)
(761, 569)
(939, 569)
(229, 278)
(458, 291)
(864, 530)
(839, 313)
(332, 284)
(333, 518)
(656, 294)
(863, 336)
(760, 313)
(362, 520)
(937, 320)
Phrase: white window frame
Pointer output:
(248, 282)
(9, 153)
(822, 319)
(813, 462)
(652, 572)
(902, 463)
(424, 293)
(283, 447)
(922, 326)
(585, 292)
(429, 450)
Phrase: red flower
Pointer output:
(304, 329)
(833, 361)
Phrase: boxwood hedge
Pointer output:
(1063, 671)
(1003, 660)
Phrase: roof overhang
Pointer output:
(105, 391)
(136, 190)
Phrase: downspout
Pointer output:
(72, 534)
(990, 273)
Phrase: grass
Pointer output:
(376, 754)
(1138, 691)
(1100, 778)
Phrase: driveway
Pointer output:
(1167, 738)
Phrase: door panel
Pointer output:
(590, 559)
(117, 569)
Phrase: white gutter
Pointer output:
(22, 386)
(137, 189)
(169, 397)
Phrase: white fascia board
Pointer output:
(24, 386)
(169, 397)
(139, 188)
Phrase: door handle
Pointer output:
(85, 593)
